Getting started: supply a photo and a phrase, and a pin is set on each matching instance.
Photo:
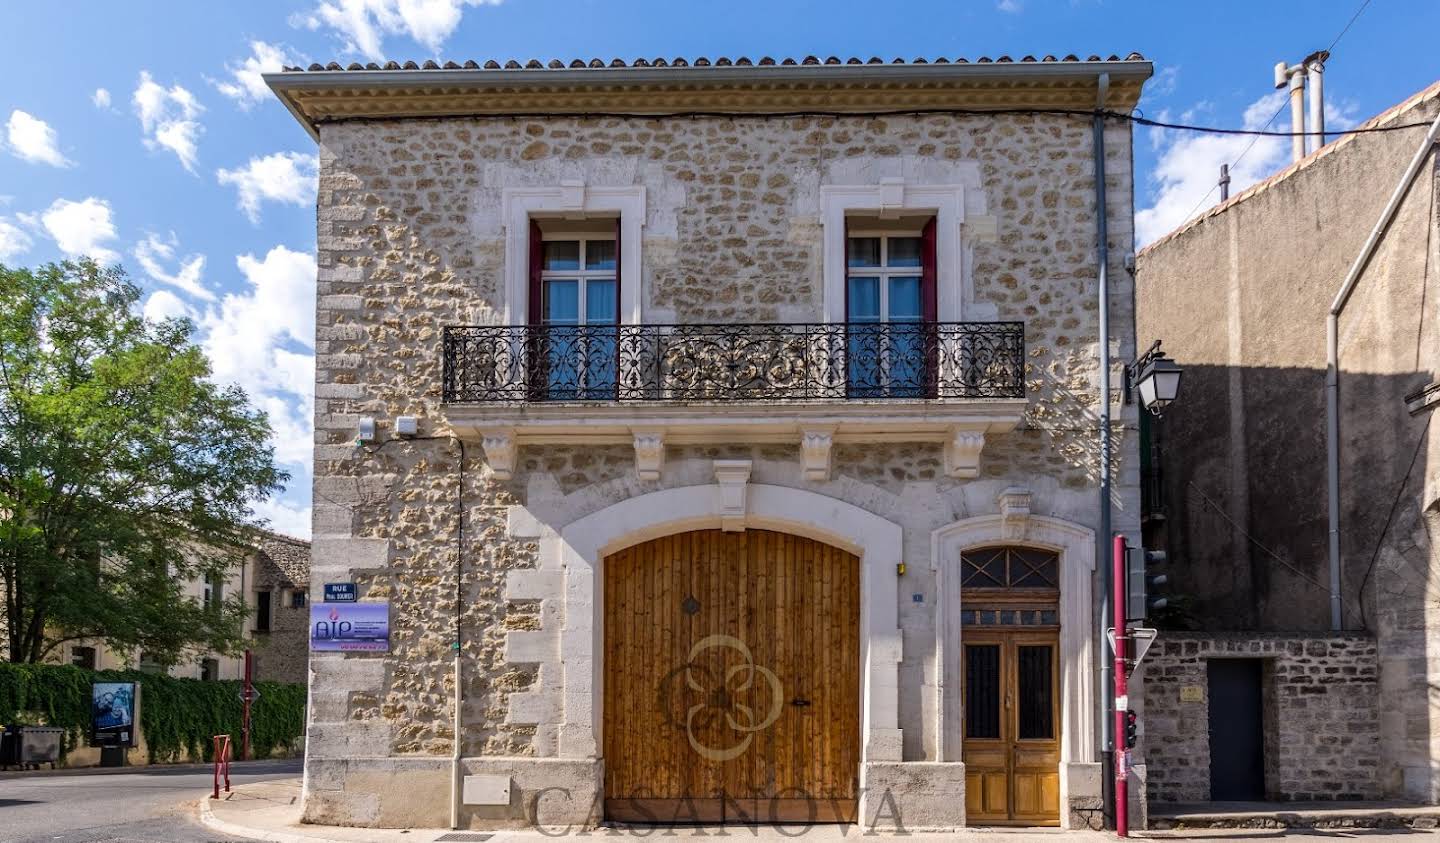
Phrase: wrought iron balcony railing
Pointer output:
(734, 362)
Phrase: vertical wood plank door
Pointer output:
(731, 680)
(1012, 728)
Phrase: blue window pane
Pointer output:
(560, 255)
(863, 251)
(562, 302)
(600, 254)
(600, 304)
(905, 299)
(903, 251)
(864, 300)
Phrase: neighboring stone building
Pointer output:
(274, 578)
(738, 394)
(1240, 297)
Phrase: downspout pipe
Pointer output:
(1332, 360)
(1102, 537)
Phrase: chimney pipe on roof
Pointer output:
(1294, 76)
(1315, 71)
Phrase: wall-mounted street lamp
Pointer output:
(1156, 377)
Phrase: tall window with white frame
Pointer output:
(576, 296)
(889, 290)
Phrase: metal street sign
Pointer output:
(254, 694)
(1141, 638)
(340, 592)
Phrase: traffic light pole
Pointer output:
(1122, 700)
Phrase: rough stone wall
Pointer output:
(1240, 300)
(283, 653)
(1321, 709)
(410, 240)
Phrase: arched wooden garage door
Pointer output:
(732, 679)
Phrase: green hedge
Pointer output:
(177, 716)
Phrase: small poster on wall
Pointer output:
(350, 627)
(114, 713)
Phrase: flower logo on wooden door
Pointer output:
(721, 697)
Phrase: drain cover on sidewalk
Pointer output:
(463, 837)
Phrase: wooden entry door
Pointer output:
(1012, 728)
(732, 685)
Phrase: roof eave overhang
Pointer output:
(316, 97)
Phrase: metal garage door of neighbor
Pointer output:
(1237, 738)
(731, 675)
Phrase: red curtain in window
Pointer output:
(929, 308)
(618, 281)
(537, 260)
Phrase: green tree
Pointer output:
(124, 471)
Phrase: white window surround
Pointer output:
(572, 199)
(582, 546)
(1076, 545)
(894, 197)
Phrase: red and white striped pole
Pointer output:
(1122, 700)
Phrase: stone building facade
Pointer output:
(1240, 297)
(733, 194)
(279, 577)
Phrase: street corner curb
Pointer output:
(214, 823)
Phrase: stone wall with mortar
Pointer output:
(1320, 714)
(410, 240)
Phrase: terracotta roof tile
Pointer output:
(701, 61)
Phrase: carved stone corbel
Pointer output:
(962, 453)
(734, 478)
(815, 447)
(500, 451)
(1014, 505)
(649, 453)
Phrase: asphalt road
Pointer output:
(150, 805)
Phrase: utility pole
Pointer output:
(1224, 182)
(1120, 581)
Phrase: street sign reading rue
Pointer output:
(339, 592)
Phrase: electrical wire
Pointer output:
(1268, 123)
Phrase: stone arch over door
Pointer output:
(1075, 544)
(584, 543)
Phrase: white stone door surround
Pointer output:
(1076, 545)
(582, 545)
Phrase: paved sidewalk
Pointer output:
(271, 811)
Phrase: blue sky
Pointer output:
(137, 132)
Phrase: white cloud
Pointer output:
(1164, 82)
(80, 229)
(31, 139)
(13, 240)
(1010, 7)
(163, 304)
(263, 340)
(285, 518)
(1189, 167)
(246, 86)
(362, 25)
(282, 177)
(249, 335)
(1189, 164)
(154, 252)
(168, 118)
(101, 98)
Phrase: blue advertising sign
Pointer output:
(339, 592)
(351, 627)
(112, 714)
